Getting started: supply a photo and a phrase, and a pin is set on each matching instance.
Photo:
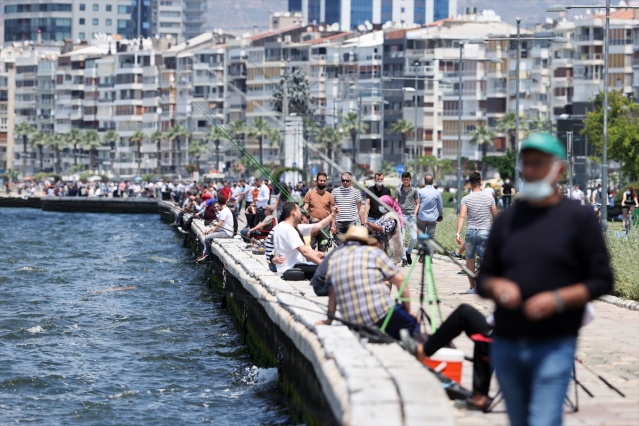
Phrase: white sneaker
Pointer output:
(471, 291)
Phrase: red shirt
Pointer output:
(226, 192)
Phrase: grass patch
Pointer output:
(624, 253)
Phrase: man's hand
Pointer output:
(505, 292)
(333, 229)
(458, 239)
(440, 218)
(278, 260)
(540, 306)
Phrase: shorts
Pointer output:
(476, 242)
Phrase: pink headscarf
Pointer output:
(392, 203)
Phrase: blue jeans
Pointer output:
(534, 377)
(410, 225)
(476, 242)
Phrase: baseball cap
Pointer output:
(546, 143)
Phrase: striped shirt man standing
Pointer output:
(478, 206)
(349, 202)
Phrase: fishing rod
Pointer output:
(599, 377)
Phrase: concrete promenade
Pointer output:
(609, 345)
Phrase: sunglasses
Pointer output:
(345, 180)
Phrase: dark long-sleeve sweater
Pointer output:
(544, 249)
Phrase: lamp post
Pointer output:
(459, 107)
(604, 159)
(519, 39)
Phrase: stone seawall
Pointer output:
(328, 374)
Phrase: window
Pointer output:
(81, 21)
(109, 8)
(124, 9)
(107, 22)
(82, 36)
(83, 6)
(95, 21)
(96, 7)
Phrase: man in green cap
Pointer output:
(544, 260)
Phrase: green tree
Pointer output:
(138, 139)
(238, 129)
(484, 137)
(197, 149)
(37, 141)
(352, 125)
(157, 137)
(259, 129)
(110, 138)
(74, 137)
(56, 142)
(297, 90)
(329, 140)
(92, 140)
(403, 128)
(24, 130)
(438, 167)
(508, 125)
(504, 164)
(215, 134)
(623, 131)
(176, 133)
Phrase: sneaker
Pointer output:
(404, 263)
(174, 224)
(421, 258)
(202, 259)
(409, 259)
(410, 344)
(183, 231)
(471, 291)
(462, 272)
(468, 404)
(454, 254)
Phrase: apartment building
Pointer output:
(181, 20)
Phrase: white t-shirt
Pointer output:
(286, 242)
(226, 216)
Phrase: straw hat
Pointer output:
(358, 233)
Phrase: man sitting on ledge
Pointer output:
(356, 279)
(299, 261)
(223, 229)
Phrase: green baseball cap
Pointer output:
(546, 143)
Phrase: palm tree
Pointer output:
(56, 142)
(508, 125)
(403, 128)
(175, 134)
(215, 135)
(259, 129)
(92, 141)
(197, 149)
(157, 137)
(74, 137)
(25, 130)
(352, 125)
(329, 139)
(37, 140)
(111, 137)
(484, 137)
(237, 128)
(138, 139)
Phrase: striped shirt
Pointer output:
(357, 276)
(479, 205)
(346, 199)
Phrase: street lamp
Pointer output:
(459, 108)
(604, 160)
(519, 39)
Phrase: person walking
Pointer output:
(507, 192)
(372, 210)
(477, 207)
(431, 209)
(407, 197)
(319, 204)
(545, 259)
(349, 202)
(261, 199)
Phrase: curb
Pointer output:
(622, 303)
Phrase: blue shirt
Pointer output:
(430, 204)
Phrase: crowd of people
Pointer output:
(543, 257)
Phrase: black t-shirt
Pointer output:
(374, 211)
(544, 249)
(506, 189)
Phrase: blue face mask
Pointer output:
(534, 191)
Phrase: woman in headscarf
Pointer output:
(388, 229)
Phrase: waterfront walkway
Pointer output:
(609, 345)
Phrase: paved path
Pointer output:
(609, 345)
